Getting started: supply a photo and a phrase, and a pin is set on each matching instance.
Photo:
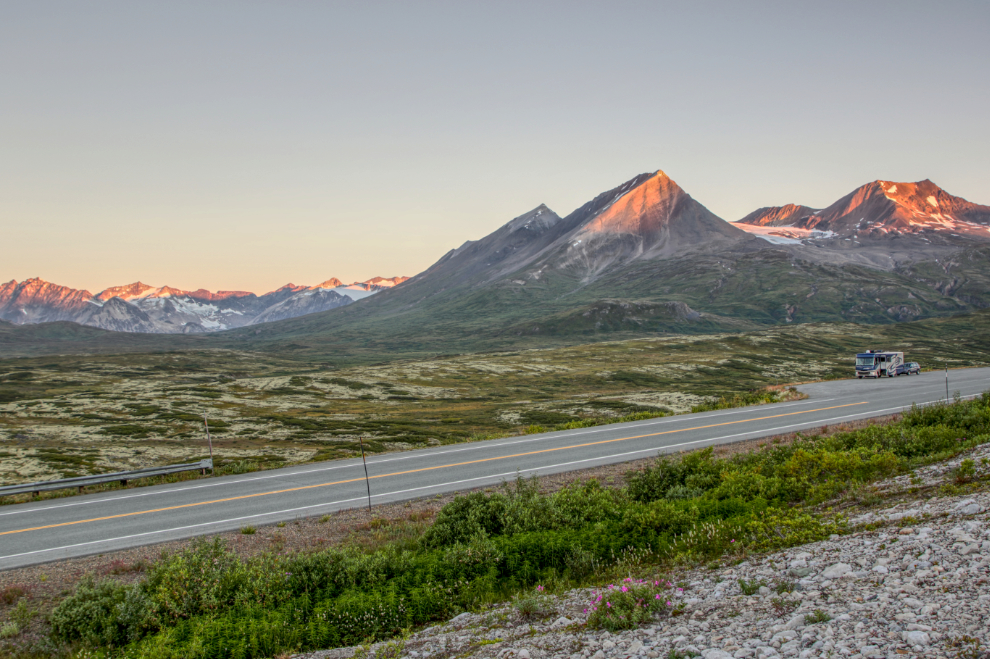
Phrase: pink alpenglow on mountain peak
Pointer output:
(641, 210)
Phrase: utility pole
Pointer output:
(367, 481)
(206, 424)
(946, 383)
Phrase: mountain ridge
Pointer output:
(139, 307)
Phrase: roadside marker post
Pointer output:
(367, 481)
(209, 441)
(946, 384)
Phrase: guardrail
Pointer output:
(121, 476)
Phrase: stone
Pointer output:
(561, 622)
(523, 654)
(716, 654)
(912, 603)
(916, 638)
(836, 571)
(880, 569)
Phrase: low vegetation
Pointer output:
(71, 415)
(206, 602)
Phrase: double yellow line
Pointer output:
(413, 471)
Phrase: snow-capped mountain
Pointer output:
(877, 210)
(139, 307)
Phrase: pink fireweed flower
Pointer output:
(731, 541)
(624, 589)
(539, 589)
(670, 604)
(608, 604)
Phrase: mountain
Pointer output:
(139, 307)
(646, 257)
(642, 258)
(37, 301)
(882, 209)
(775, 216)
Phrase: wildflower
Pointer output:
(670, 604)
(731, 541)
(539, 589)
(608, 604)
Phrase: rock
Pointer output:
(881, 569)
(716, 654)
(608, 645)
(837, 570)
(912, 603)
(795, 622)
(916, 638)
(561, 622)
(461, 619)
(969, 507)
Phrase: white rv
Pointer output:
(878, 363)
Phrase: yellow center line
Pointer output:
(413, 471)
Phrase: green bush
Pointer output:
(104, 613)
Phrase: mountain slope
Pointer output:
(882, 208)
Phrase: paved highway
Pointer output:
(44, 531)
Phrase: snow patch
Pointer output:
(786, 235)
(932, 200)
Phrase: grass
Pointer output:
(79, 415)
(206, 602)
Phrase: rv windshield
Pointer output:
(865, 361)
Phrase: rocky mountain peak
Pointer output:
(642, 210)
(535, 221)
(127, 292)
(333, 282)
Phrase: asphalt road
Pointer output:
(52, 530)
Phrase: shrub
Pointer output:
(628, 604)
(11, 594)
(104, 613)
(750, 587)
(816, 617)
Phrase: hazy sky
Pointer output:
(243, 145)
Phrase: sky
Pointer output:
(244, 145)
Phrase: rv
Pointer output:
(878, 363)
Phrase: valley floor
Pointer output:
(75, 415)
